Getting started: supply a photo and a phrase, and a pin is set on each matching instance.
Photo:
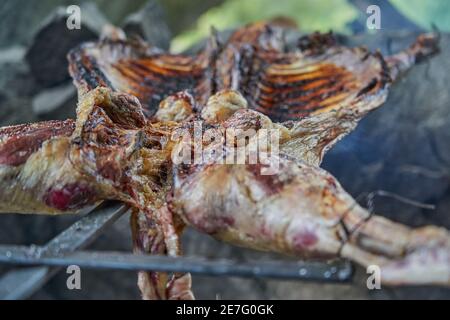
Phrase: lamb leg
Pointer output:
(302, 211)
(57, 167)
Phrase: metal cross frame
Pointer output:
(38, 264)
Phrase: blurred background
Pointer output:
(403, 147)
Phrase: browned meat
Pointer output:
(311, 97)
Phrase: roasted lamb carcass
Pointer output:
(317, 93)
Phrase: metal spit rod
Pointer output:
(23, 283)
(63, 250)
(337, 271)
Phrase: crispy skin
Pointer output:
(316, 77)
(135, 68)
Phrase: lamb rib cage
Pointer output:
(42, 263)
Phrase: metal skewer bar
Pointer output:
(43, 262)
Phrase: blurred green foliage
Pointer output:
(191, 20)
(426, 12)
(310, 15)
(181, 14)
